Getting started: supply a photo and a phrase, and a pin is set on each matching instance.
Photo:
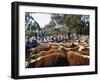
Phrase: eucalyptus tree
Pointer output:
(78, 24)
(32, 27)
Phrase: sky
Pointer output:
(41, 18)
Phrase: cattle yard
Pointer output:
(54, 54)
(55, 39)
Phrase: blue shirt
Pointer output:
(28, 42)
(34, 43)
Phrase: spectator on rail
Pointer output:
(34, 43)
(45, 40)
(28, 42)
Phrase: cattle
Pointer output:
(40, 48)
(84, 52)
(54, 46)
(59, 54)
(55, 59)
(42, 53)
(70, 58)
(49, 52)
(31, 64)
(68, 49)
(75, 58)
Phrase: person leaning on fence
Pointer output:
(34, 43)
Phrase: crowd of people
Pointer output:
(55, 38)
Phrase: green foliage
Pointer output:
(32, 26)
(78, 24)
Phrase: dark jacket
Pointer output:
(34, 43)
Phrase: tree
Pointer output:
(65, 23)
(85, 24)
(78, 24)
(31, 25)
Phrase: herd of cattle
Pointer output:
(59, 54)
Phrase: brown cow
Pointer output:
(57, 59)
(40, 48)
(75, 58)
(54, 59)
(71, 58)
(84, 52)
(49, 52)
